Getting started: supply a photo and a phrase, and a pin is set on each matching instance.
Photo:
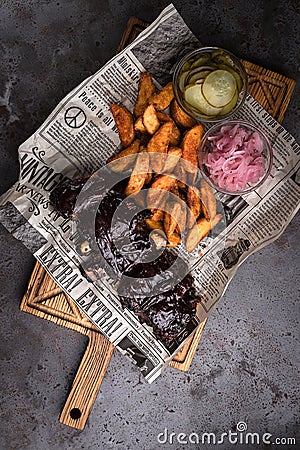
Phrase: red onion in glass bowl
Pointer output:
(235, 156)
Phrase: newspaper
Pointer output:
(79, 136)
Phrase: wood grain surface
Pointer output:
(87, 381)
(45, 299)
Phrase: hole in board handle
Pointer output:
(75, 413)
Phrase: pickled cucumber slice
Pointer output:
(193, 95)
(219, 88)
(181, 80)
(186, 66)
(229, 107)
(198, 75)
(201, 61)
(219, 57)
(237, 77)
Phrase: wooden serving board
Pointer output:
(45, 299)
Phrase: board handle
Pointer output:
(87, 381)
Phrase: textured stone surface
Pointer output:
(246, 366)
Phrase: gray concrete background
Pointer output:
(246, 366)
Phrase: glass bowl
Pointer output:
(210, 84)
(235, 157)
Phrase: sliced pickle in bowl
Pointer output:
(197, 75)
(227, 108)
(193, 96)
(201, 61)
(219, 88)
(237, 77)
(219, 57)
(182, 79)
(221, 80)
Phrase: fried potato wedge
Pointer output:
(194, 204)
(124, 122)
(165, 182)
(141, 198)
(174, 240)
(163, 117)
(150, 120)
(180, 174)
(155, 195)
(139, 173)
(160, 141)
(216, 220)
(175, 154)
(177, 209)
(159, 144)
(181, 118)
(119, 163)
(145, 90)
(208, 199)
(201, 228)
(162, 99)
(154, 224)
(157, 214)
(139, 125)
(175, 136)
(172, 218)
(190, 145)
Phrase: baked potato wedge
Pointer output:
(162, 99)
(194, 204)
(150, 120)
(139, 125)
(208, 199)
(156, 195)
(175, 136)
(190, 144)
(124, 122)
(154, 224)
(145, 90)
(159, 144)
(119, 163)
(139, 173)
(182, 119)
(175, 154)
(174, 240)
(201, 229)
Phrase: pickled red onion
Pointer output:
(235, 158)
